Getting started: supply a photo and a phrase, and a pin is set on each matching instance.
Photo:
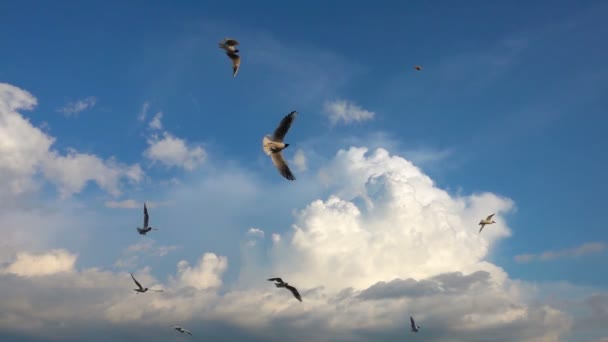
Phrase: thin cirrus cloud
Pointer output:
(582, 250)
(72, 109)
(346, 112)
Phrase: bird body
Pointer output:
(229, 45)
(415, 327)
(280, 283)
(141, 289)
(182, 330)
(236, 62)
(273, 145)
(488, 220)
(146, 228)
(417, 67)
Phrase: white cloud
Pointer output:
(156, 123)
(207, 274)
(31, 265)
(255, 232)
(133, 204)
(26, 151)
(346, 112)
(584, 249)
(173, 151)
(144, 111)
(299, 160)
(276, 238)
(72, 109)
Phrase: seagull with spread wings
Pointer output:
(145, 229)
(182, 330)
(141, 289)
(273, 145)
(279, 283)
(488, 220)
(229, 45)
(413, 324)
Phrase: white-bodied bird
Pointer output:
(488, 220)
(145, 229)
(182, 330)
(273, 145)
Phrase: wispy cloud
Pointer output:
(346, 112)
(72, 109)
(144, 111)
(584, 249)
(156, 123)
(132, 204)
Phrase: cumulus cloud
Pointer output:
(576, 252)
(346, 112)
(31, 265)
(26, 151)
(174, 152)
(156, 123)
(207, 274)
(72, 109)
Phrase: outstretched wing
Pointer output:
(489, 217)
(281, 165)
(295, 292)
(276, 279)
(236, 62)
(230, 42)
(136, 282)
(187, 332)
(412, 323)
(146, 216)
(281, 130)
(482, 225)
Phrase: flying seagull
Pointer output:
(236, 62)
(279, 283)
(145, 229)
(141, 288)
(229, 45)
(273, 145)
(182, 330)
(488, 220)
(414, 326)
(417, 67)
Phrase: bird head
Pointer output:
(236, 50)
(493, 221)
(286, 145)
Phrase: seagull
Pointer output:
(229, 45)
(145, 229)
(417, 67)
(273, 145)
(236, 62)
(141, 288)
(488, 220)
(182, 330)
(414, 326)
(280, 283)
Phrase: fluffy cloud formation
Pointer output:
(71, 109)
(584, 249)
(26, 151)
(156, 123)
(31, 265)
(174, 152)
(346, 112)
(385, 245)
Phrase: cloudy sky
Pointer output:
(105, 105)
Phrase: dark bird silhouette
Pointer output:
(280, 283)
(145, 229)
(414, 326)
(273, 145)
(140, 288)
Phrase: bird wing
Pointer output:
(276, 279)
(281, 165)
(281, 130)
(230, 42)
(295, 292)
(146, 216)
(482, 225)
(489, 217)
(187, 332)
(412, 323)
(236, 62)
(136, 282)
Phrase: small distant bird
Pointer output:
(417, 67)
(145, 229)
(488, 220)
(414, 326)
(279, 283)
(182, 330)
(273, 145)
(229, 45)
(141, 288)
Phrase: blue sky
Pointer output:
(511, 101)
